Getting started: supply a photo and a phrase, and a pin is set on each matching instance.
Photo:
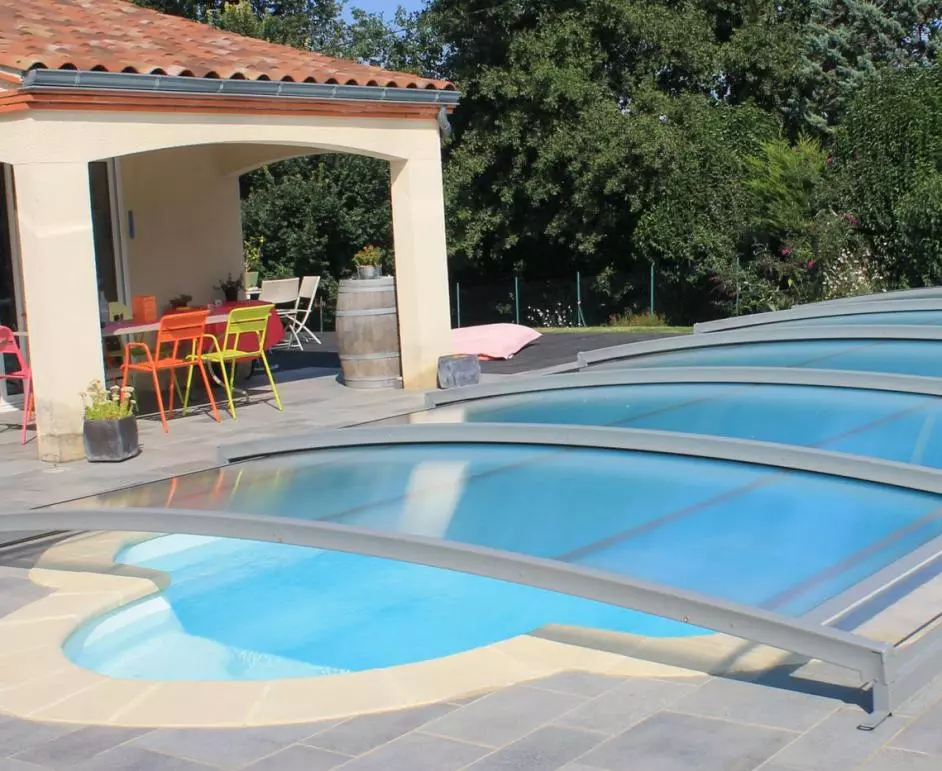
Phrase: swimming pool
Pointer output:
(897, 426)
(904, 357)
(783, 541)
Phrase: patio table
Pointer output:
(215, 326)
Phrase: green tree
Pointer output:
(890, 156)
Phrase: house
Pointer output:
(123, 133)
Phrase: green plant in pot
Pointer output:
(180, 302)
(110, 428)
(369, 262)
(230, 287)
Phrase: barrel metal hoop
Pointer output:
(369, 356)
(367, 312)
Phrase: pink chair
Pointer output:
(9, 347)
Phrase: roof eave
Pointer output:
(39, 79)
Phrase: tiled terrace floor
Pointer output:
(571, 722)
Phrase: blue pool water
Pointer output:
(755, 535)
(894, 426)
(903, 357)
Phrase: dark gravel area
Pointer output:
(548, 351)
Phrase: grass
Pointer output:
(601, 330)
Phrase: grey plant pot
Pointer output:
(369, 271)
(111, 441)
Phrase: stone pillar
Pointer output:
(61, 294)
(418, 210)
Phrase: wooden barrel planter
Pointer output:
(368, 333)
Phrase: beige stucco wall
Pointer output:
(187, 226)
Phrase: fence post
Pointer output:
(580, 319)
(652, 287)
(737, 284)
(517, 298)
(320, 307)
(458, 303)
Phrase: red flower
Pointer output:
(785, 251)
(810, 264)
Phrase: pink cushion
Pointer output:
(492, 341)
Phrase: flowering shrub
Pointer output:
(557, 315)
(111, 404)
(849, 275)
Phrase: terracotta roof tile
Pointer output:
(115, 36)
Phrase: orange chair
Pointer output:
(175, 329)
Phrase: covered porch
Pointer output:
(128, 184)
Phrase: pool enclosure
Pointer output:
(778, 483)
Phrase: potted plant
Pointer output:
(230, 287)
(180, 302)
(110, 428)
(368, 261)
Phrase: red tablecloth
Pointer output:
(273, 334)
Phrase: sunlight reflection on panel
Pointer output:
(434, 492)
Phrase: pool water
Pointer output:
(903, 357)
(894, 426)
(784, 541)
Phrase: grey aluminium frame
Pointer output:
(811, 312)
(894, 674)
(897, 294)
(872, 381)
(759, 335)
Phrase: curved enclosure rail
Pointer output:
(912, 312)
(897, 294)
(895, 418)
(672, 375)
(784, 546)
(899, 349)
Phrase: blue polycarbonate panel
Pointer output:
(910, 318)
(757, 535)
(904, 357)
(895, 426)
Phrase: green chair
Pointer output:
(244, 325)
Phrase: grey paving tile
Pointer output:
(223, 747)
(78, 746)
(128, 758)
(835, 744)
(753, 703)
(19, 735)
(418, 752)
(673, 742)
(362, 734)
(923, 735)
(900, 760)
(9, 764)
(299, 758)
(629, 703)
(581, 683)
(504, 716)
(546, 749)
(919, 702)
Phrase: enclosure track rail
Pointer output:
(826, 378)
(810, 312)
(919, 293)
(876, 333)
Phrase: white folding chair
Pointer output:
(281, 291)
(297, 317)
